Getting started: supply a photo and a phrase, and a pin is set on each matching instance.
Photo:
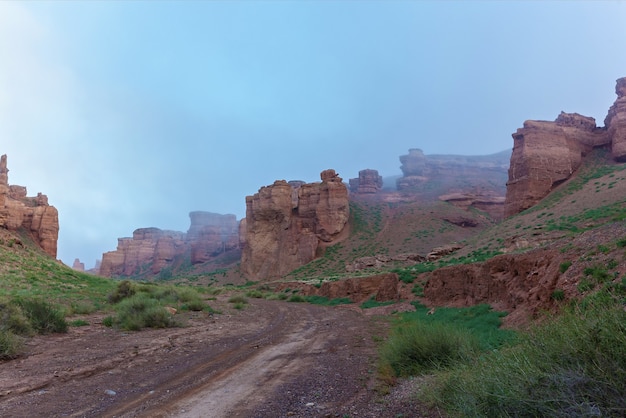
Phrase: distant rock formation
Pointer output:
(545, 154)
(151, 251)
(78, 266)
(485, 201)
(286, 224)
(435, 175)
(32, 214)
(615, 122)
(368, 182)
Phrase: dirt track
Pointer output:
(271, 359)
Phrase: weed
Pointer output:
(79, 323)
(373, 303)
(238, 299)
(558, 295)
(297, 298)
(43, 316)
(322, 300)
(10, 345)
(564, 266)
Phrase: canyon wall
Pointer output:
(31, 214)
(287, 223)
(545, 154)
(152, 250)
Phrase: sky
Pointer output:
(132, 114)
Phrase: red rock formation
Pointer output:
(520, 283)
(211, 234)
(382, 287)
(429, 176)
(486, 202)
(615, 122)
(545, 154)
(368, 182)
(285, 224)
(32, 214)
(148, 251)
(151, 250)
(78, 266)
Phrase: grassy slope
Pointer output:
(26, 271)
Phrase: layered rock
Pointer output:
(32, 214)
(380, 287)
(286, 224)
(477, 199)
(148, 251)
(435, 175)
(211, 234)
(152, 251)
(368, 182)
(615, 122)
(545, 154)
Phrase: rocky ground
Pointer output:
(271, 359)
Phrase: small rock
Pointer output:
(110, 392)
(310, 404)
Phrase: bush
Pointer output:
(12, 319)
(238, 299)
(10, 345)
(124, 290)
(296, 298)
(43, 317)
(141, 311)
(418, 348)
(558, 295)
(564, 266)
(573, 366)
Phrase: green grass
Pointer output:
(572, 366)
(373, 303)
(322, 300)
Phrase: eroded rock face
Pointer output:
(546, 154)
(285, 224)
(368, 182)
(615, 122)
(435, 175)
(380, 287)
(32, 214)
(211, 234)
(520, 283)
(151, 251)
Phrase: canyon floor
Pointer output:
(270, 359)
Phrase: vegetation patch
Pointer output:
(373, 303)
(572, 366)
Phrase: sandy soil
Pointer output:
(271, 359)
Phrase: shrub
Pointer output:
(123, 290)
(572, 366)
(238, 299)
(373, 303)
(417, 348)
(195, 305)
(141, 311)
(12, 319)
(254, 294)
(10, 345)
(322, 300)
(43, 317)
(296, 298)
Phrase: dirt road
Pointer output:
(271, 359)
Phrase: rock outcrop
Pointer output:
(286, 224)
(153, 251)
(78, 265)
(31, 214)
(434, 175)
(477, 199)
(379, 287)
(545, 154)
(615, 122)
(368, 182)
(211, 234)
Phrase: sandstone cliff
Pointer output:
(435, 175)
(368, 182)
(31, 214)
(545, 154)
(286, 224)
(151, 251)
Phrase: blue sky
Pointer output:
(132, 114)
